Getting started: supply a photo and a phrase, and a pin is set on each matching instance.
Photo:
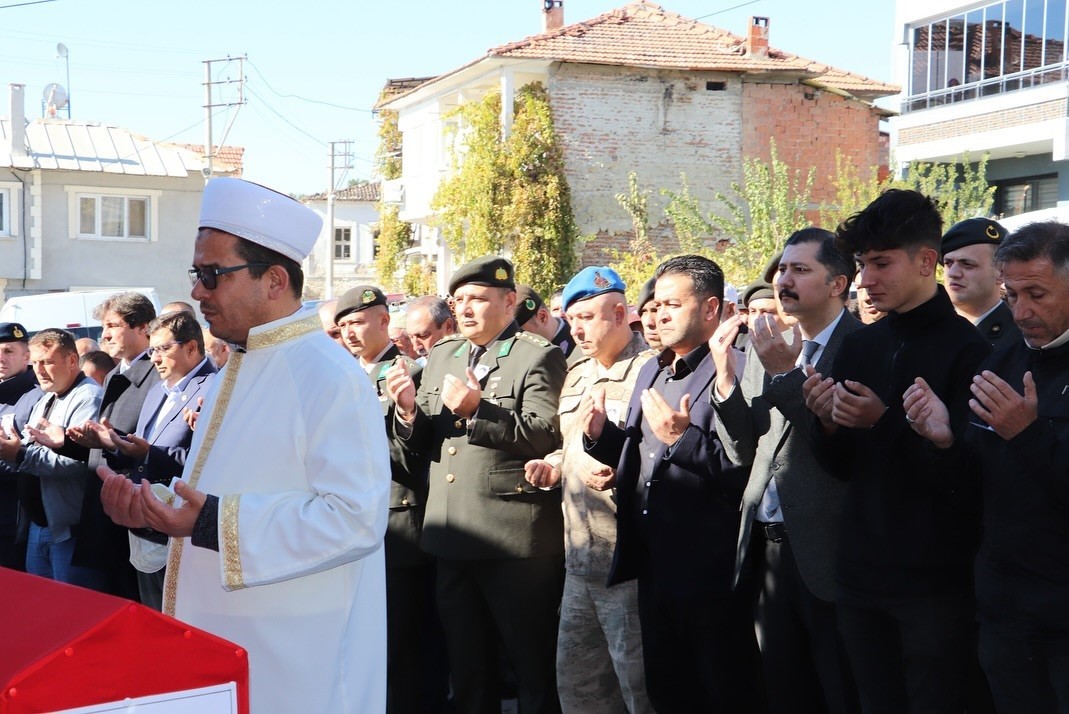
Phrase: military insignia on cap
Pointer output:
(501, 274)
(529, 304)
(17, 333)
(992, 232)
(368, 296)
(600, 281)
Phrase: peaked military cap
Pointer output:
(490, 270)
(646, 293)
(757, 290)
(359, 298)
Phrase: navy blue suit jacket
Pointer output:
(169, 442)
(685, 543)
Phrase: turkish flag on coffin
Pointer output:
(63, 646)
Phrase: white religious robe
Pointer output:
(291, 439)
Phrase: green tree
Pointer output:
(763, 211)
(690, 224)
(510, 195)
(636, 264)
(393, 239)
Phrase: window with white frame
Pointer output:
(10, 191)
(112, 214)
(343, 244)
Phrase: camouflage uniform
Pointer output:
(599, 645)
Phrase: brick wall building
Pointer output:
(646, 90)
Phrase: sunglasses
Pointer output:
(209, 277)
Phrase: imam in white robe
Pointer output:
(291, 439)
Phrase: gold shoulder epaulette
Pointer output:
(534, 339)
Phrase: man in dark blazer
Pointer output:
(101, 543)
(678, 499)
(362, 318)
(486, 405)
(972, 280)
(157, 451)
(791, 506)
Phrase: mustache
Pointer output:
(788, 293)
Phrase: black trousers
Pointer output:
(1027, 673)
(804, 662)
(417, 670)
(511, 601)
(910, 656)
(700, 653)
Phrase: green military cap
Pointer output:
(528, 303)
(490, 270)
(772, 267)
(757, 290)
(359, 298)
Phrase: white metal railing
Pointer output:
(986, 88)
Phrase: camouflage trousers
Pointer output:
(599, 648)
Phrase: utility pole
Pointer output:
(208, 105)
(340, 158)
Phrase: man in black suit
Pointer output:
(103, 544)
(910, 521)
(678, 508)
(791, 506)
(972, 280)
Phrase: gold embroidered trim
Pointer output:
(222, 401)
(284, 333)
(229, 543)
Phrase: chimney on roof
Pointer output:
(757, 40)
(17, 120)
(552, 15)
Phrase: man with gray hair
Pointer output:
(1017, 439)
(428, 320)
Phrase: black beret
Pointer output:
(970, 232)
(13, 332)
(528, 303)
(757, 290)
(359, 298)
(490, 270)
(646, 293)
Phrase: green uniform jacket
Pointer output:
(408, 488)
(480, 505)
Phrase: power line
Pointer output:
(276, 113)
(24, 4)
(727, 9)
(305, 99)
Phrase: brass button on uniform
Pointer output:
(450, 478)
(452, 450)
(459, 423)
(519, 489)
(404, 501)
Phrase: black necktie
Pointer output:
(809, 348)
(476, 354)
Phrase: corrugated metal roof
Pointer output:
(67, 145)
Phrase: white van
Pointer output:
(70, 310)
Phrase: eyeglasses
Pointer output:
(208, 277)
(164, 347)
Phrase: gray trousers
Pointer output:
(599, 648)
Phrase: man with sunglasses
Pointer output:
(157, 451)
(276, 529)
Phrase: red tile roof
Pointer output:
(643, 34)
(360, 192)
(226, 157)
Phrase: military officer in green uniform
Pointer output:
(972, 281)
(488, 404)
(362, 317)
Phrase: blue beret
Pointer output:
(590, 282)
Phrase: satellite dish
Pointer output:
(55, 96)
(61, 50)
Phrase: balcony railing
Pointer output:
(986, 88)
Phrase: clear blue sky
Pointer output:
(138, 64)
